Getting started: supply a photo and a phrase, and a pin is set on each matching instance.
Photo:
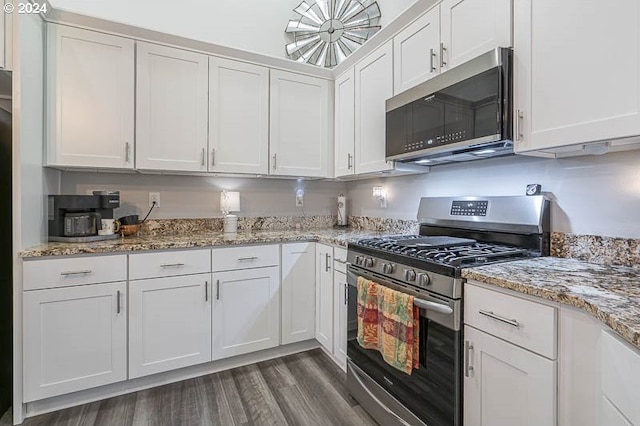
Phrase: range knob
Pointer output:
(359, 260)
(388, 268)
(424, 280)
(369, 262)
(409, 275)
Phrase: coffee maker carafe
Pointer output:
(78, 218)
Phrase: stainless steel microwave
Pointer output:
(461, 115)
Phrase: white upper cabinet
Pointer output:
(238, 117)
(417, 51)
(374, 85)
(171, 109)
(344, 124)
(300, 125)
(90, 99)
(577, 72)
(470, 28)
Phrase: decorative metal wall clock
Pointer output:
(329, 30)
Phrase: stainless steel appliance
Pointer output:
(455, 233)
(461, 115)
(77, 218)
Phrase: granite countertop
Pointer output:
(333, 236)
(609, 293)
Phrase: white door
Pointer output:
(171, 109)
(470, 28)
(75, 338)
(340, 300)
(246, 312)
(298, 292)
(300, 125)
(576, 70)
(374, 85)
(90, 98)
(417, 52)
(345, 124)
(238, 117)
(169, 323)
(505, 385)
(324, 296)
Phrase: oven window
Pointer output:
(432, 392)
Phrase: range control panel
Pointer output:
(469, 208)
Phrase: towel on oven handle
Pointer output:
(389, 323)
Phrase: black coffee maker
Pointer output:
(78, 218)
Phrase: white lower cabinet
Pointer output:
(505, 385)
(298, 292)
(169, 323)
(340, 300)
(246, 311)
(75, 338)
(620, 375)
(324, 296)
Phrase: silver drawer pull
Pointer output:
(68, 273)
(171, 265)
(468, 368)
(243, 259)
(511, 322)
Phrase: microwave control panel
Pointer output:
(469, 208)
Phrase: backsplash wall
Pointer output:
(199, 197)
(595, 195)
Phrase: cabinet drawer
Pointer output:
(524, 323)
(620, 376)
(340, 260)
(170, 263)
(228, 259)
(51, 273)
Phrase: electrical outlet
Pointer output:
(299, 198)
(154, 196)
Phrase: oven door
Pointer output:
(431, 395)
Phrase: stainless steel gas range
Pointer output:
(455, 233)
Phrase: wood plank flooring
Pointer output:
(301, 389)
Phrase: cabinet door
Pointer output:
(169, 323)
(246, 312)
(171, 109)
(505, 385)
(90, 98)
(298, 292)
(577, 72)
(300, 125)
(340, 300)
(470, 28)
(417, 51)
(374, 85)
(238, 117)
(75, 338)
(324, 296)
(610, 415)
(344, 123)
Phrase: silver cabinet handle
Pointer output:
(171, 265)
(443, 49)
(327, 258)
(346, 293)
(127, 152)
(204, 156)
(275, 159)
(118, 302)
(206, 291)
(213, 156)
(432, 55)
(468, 368)
(349, 161)
(69, 273)
(218, 290)
(243, 259)
(519, 118)
(491, 315)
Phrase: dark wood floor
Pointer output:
(302, 389)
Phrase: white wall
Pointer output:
(252, 25)
(199, 197)
(591, 195)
